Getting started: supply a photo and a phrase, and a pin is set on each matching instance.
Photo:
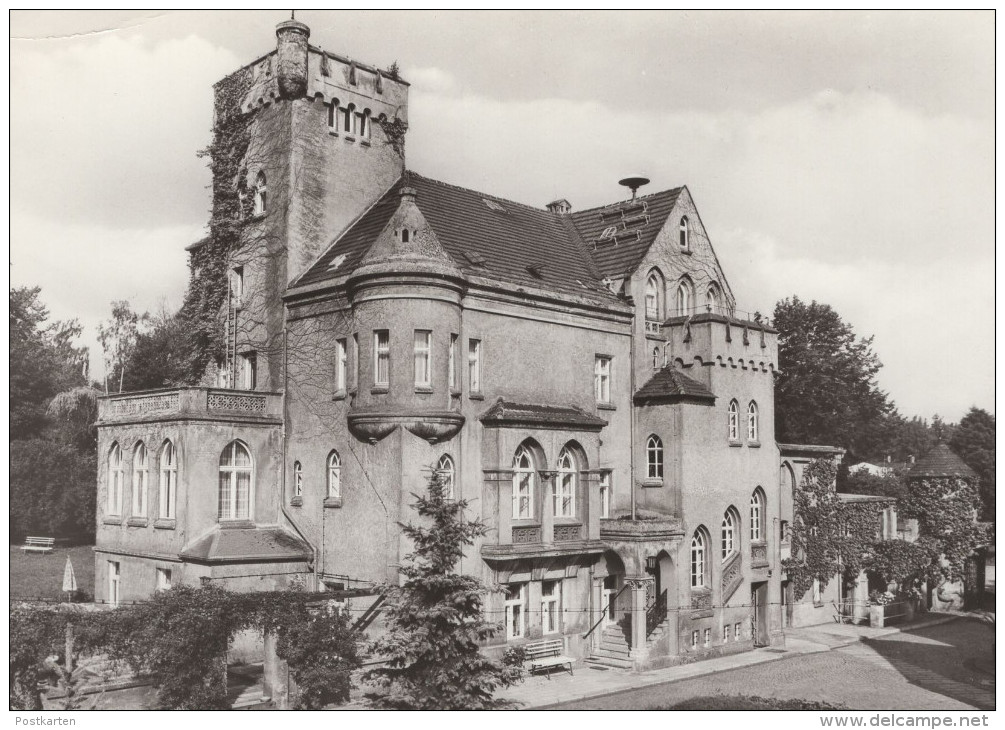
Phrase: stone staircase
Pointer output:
(614, 651)
(246, 687)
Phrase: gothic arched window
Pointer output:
(699, 559)
(115, 475)
(524, 476)
(757, 515)
(752, 421)
(565, 485)
(654, 457)
(654, 295)
(445, 467)
(730, 532)
(235, 482)
(261, 194)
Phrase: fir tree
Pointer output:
(435, 621)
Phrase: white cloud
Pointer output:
(928, 319)
(430, 80)
(107, 130)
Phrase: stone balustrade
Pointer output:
(153, 405)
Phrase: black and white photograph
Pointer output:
(624, 360)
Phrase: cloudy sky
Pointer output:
(842, 157)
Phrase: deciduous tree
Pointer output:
(974, 441)
(827, 391)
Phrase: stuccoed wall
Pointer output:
(199, 447)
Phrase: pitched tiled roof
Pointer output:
(247, 545)
(505, 413)
(941, 462)
(485, 236)
(637, 222)
(670, 385)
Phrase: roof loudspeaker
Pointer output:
(634, 182)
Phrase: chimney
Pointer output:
(560, 206)
(291, 56)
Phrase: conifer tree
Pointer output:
(435, 620)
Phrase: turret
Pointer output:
(291, 55)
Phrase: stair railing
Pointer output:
(610, 605)
(370, 614)
(656, 614)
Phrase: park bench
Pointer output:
(546, 655)
(38, 544)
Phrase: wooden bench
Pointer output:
(38, 544)
(546, 655)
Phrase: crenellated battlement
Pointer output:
(323, 76)
(712, 338)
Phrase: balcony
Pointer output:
(528, 541)
(172, 404)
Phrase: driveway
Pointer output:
(925, 669)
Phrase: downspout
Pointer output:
(631, 407)
(282, 479)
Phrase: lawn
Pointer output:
(40, 575)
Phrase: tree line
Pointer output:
(827, 393)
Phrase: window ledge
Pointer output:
(365, 143)
(424, 389)
(297, 502)
(379, 389)
(163, 523)
(333, 133)
(236, 524)
(754, 444)
(339, 395)
(652, 483)
(455, 393)
(112, 521)
(476, 396)
(333, 502)
(349, 139)
(735, 444)
(817, 604)
(655, 336)
(687, 251)
(602, 406)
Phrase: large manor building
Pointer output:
(583, 378)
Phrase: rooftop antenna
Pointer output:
(293, 15)
(634, 182)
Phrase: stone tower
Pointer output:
(305, 141)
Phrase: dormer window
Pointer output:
(608, 233)
(405, 235)
(685, 234)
